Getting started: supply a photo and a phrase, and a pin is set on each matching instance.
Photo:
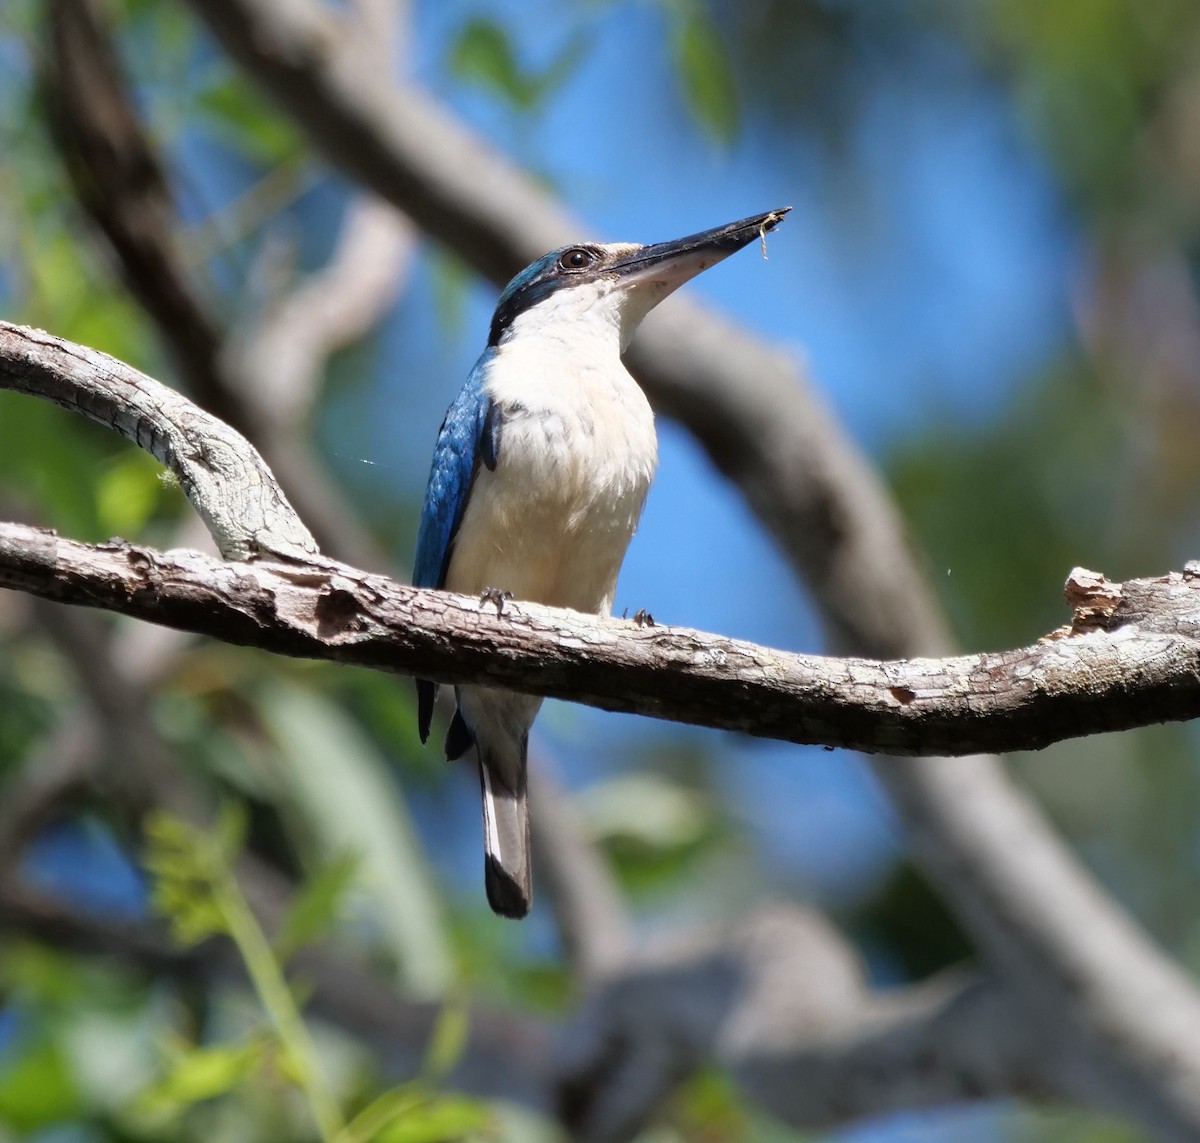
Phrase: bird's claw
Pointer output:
(496, 596)
(643, 618)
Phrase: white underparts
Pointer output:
(577, 452)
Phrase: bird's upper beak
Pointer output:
(667, 265)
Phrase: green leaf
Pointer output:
(39, 975)
(193, 917)
(649, 808)
(482, 54)
(343, 794)
(707, 75)
(201, 1073)
(383, 1111)
(184, 863)
(316, 906)
(708, 1102)
(449, 1038)
(229, 835)
(436, 1120)
(654, 828)
(127, 493)
(235, 113)
(38, 1089)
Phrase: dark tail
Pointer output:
(506, 868)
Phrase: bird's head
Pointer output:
(613, 286)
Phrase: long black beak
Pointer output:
(673, 263)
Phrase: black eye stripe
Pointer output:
(541, 278)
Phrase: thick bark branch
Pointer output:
(1133, 660)
(1080, 970)
(1135, 640)
(1146, 669)
(222, 474)
(828, 513)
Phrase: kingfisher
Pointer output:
(540, 471)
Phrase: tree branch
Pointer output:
(331, 307)
(1034, 910)
(780, 999)
(1082, 973)
(1144, 670)
(807, 484)
(117, 177)
(1131, 658)
(222, 474)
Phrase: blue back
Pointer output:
(469, 437)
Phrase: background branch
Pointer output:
(592, 922)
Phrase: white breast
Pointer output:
(577, 454)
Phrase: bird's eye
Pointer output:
(577, 258)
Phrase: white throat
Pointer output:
(599, 315)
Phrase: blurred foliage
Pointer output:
(708, 1107)
(706, 73)
(483, 54)
(1090, 461)
(905, 924)
(235, 114)
(1093, 78)
(195, 889)
(657, 828)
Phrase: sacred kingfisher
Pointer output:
(539, 475)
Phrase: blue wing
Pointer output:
(469, 437)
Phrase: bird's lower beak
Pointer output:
(670, 264)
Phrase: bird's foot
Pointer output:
(496, 596)
(643, 618)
